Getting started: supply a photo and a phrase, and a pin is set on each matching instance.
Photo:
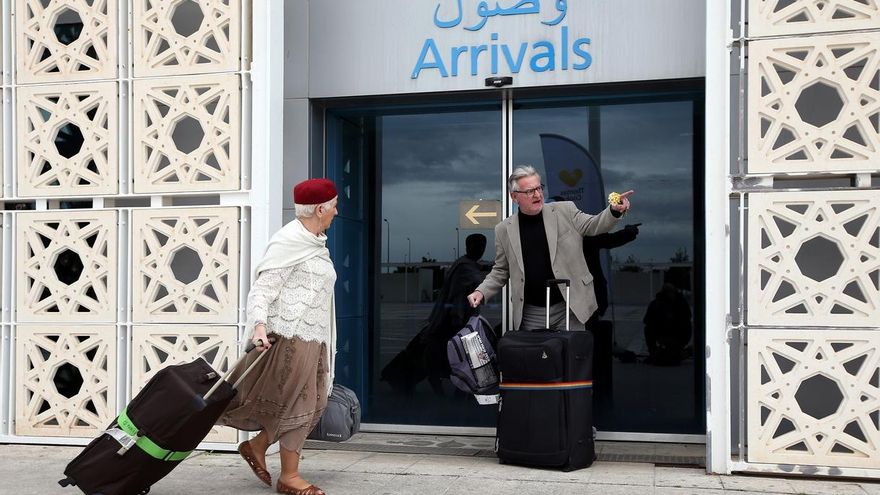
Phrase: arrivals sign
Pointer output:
(560, 51)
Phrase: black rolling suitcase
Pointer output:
(545, 416)
(155, 432)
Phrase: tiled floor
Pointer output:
(655, 453)
(28, 469)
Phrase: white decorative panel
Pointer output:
(66, 267)
(185, 36)
(814, 258)
(775, 17)
(67, 140)
(154, 347)
(65, 380)
(63, 40)
(814, 104)
(185, 265)
(814, 397)
(187, 134)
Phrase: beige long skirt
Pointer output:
(284, 395)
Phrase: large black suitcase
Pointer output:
(545, 416)
(155, 432)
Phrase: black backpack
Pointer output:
(472, 361)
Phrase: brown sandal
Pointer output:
(289, 490)
(247, 453)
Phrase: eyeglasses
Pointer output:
(533, 191)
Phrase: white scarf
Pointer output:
(290, 246)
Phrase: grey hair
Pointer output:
(307, 211)
(520, 172)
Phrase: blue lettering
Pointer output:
(494, 54)
(475, 57)
(423, 64)
(550, 55)
(456, 54)
(588, 59)
(515, 66)
(564, 46)
(542, 56)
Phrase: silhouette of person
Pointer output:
(603, 335)
(667, 326)
(592, 245)
(425, 355)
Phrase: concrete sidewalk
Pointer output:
(26, 469)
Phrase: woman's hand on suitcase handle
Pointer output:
(260, 339)
(475, 298)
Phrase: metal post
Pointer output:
(457, 243)
(388, 244)
(406, 263)
(266, 198)
(717, 222)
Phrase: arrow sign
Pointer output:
(473, 214)
(483, 214)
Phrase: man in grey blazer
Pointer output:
(542, 242)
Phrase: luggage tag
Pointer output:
(126, 442)
(486, 400)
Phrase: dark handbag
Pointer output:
(342, 417)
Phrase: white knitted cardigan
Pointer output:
(296, 261)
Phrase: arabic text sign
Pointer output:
(504, 57)
(480, 214)
(522, 7)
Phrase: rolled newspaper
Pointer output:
(478, 359)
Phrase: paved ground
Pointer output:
(34, 470)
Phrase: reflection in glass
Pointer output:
(426, 261)
(646, 372)
(410, 259)
(424, 357)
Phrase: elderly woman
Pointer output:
(291, 301)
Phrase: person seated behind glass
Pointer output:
(425, 355)
(667, 326)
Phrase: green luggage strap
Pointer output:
(144, 443)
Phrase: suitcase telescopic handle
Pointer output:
(247, 349)
(550, 284)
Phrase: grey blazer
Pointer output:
(566, 227)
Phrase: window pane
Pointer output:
(430, 162)
(646, 377)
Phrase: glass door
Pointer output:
(648, 356)
(420, 165)
(406, 258)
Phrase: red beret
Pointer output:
(314, 192)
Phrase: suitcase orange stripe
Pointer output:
(546, 386)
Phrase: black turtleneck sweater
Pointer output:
(536, 261)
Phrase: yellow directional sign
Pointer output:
(481, 214)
